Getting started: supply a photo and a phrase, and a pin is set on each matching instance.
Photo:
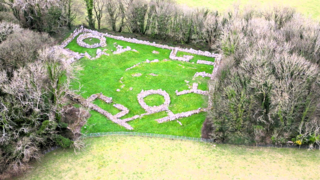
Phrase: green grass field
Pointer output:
(306, 7)
(104, 76)
(129, 157)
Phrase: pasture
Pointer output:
(130, 157)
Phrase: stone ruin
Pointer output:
(185, 58)
(173, 56)
(150, 110)
(99, 54)
(136, 41)
(202, 74)
(206, 62)
(180, 115)
(91, 35)
(193, 90)
(154, 109)
(121, 50)
(114, 118)
(124, 110)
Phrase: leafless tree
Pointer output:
(113, 10)
(98, 7)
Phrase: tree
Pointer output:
(68, 12)
(113, 10)
(137, 16)
(268, 87)
(90, 18)
(34, 108)
(98, 7)
(20, 48)
(42, 16)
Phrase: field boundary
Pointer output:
(164, 136)
(146, 135)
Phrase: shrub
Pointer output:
(269, 92)
(21, 48)
(42, 16)
(8, 17)
(6, 29)
(33, 100)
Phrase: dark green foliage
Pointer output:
(90, 19)
(62, 141)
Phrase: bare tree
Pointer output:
(269, 91)
(137, 16)
(98, 7)
(114, 8)
(43, 16)
(68, 12)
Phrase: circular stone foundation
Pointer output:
(154, 109)
(91, 41)
(82, 37)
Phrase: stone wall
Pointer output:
(136, 41)
(154, 109)
(82, 37)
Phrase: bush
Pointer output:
(21, 47)
(269, 91)
(8, 17)
(33, 101)
(42, 16)
(6, 29)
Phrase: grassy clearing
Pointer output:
(125, 157)
(104, 75)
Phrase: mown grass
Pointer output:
(105, 75)
(125, 157)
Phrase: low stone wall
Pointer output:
(73, 35)
(205, 62)
(180, 115)
(154, 109)
(193, 90)
(99, 54)
(122, 108)
(173, 56)
(121, 50)
(185, 58)
(91, 35)
(136, 41)
(202, 74)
